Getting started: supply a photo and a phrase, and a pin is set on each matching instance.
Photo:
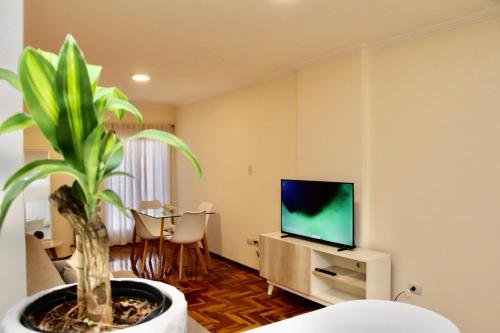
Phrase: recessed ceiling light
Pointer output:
(140, 77)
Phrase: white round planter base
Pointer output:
(174, 320)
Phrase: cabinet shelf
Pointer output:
(334, 296)
(346, 280)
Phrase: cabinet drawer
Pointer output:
(285, 263)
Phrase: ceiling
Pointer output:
(195, 49)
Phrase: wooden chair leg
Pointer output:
(136, 255)
(152, 247)
(132, 247)
(200, 258)
(180, 261)
(160, 259)
(164, 259)
(207, 251)
(187, 260)
(144, 252)
(174, 257)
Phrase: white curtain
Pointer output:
(149, 162)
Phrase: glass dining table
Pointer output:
(162, 214)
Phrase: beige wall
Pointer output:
(12, 245)
(33, 139)
(329, 118)
(435, 170)
(255, 126)
(415, 125)
(154, 113)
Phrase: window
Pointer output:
(149, 162)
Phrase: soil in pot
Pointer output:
(133, 303)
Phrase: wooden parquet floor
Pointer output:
(230, 298)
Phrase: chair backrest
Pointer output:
(190, 228)
(141, 228)
(151, 204)
(207, 207)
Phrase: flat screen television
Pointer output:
(318, 210)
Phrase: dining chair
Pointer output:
(145, 204)
(148, 236)
(208, 207)
(189, 231)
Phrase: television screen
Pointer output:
(318, 210)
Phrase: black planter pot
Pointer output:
(129, 289)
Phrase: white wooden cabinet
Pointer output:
(289, 263)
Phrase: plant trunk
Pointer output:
(92, 246)
(97, 287)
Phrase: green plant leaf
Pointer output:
(107, 143)
(18, 121)
(93, 70)
(31, 167)
(118, 107)
(109, 92)
(118, 173)
(37, 78)
(77, 117)
(170, 139)
(118, 112)
(50, 57)
(77, 190)
(94, 75)
(115, 159)
(10, 77)
(18, 186)
(112, 198)
(92, 157)
(114, 100)
(111, 155)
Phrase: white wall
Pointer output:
(329, 135)
(255, 126)
(436, 170)
(416, 125)
(12, 244)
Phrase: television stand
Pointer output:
(290, 264)
(285, 235)
(345, 248)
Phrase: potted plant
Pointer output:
(64, 101)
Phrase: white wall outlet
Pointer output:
(252, 241)
(418, 288)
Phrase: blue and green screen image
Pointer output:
(318, 210)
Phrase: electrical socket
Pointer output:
(252, 241)
(419, 290)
